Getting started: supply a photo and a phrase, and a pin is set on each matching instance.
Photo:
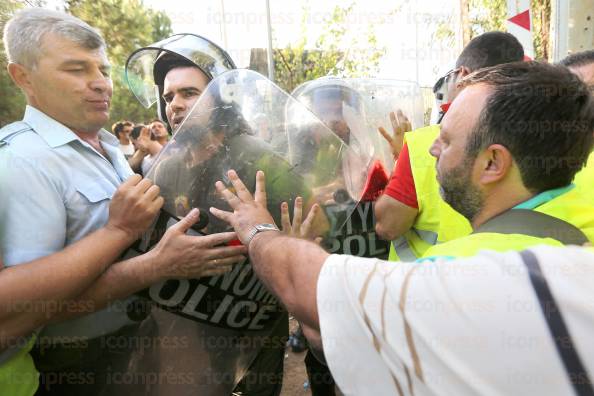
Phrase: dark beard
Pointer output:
(457, 190)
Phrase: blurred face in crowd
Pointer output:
(126, 130)
(457, 173)
(71, 84)
(182, 88)
(159, 130)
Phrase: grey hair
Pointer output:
(24, 33)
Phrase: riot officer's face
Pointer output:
(70, 83)
(330, 112)
(182, 88)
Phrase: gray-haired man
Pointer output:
(63, 171)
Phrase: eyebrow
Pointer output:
(182, 90)
(75, 62)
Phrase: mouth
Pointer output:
(100, 105)
(177, 120)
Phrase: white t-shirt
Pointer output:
(462, 327)
(146, 164)
(127, 149)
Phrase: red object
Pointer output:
(522, 19)
(375, 183)
(235, 242)
(401, 186)
(445, 107)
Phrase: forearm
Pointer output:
(392, 218)
(120, 281)
(136, 160)
(33, 293)
(289, 267)
(154, 148)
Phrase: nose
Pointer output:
(435, 149)
(101, 83)
(177, 104)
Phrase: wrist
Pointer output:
(152, 269)
(127, 237)
(262, 237)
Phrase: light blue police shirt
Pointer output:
(54, 190)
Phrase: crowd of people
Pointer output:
(477, 278)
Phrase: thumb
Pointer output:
(188, 221)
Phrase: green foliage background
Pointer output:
(301, 62)
(125, 24)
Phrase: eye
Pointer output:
(191, 94)
(167, 98)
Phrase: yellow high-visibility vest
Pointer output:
(436, 222)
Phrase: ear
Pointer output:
(495, 163)
(464, 71)
(21, 77)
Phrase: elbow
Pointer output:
(385, 233)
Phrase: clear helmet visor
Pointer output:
(239, 122)
(146, 67)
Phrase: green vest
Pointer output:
(436, 222)
(568, 204)
(18, 375)
(471, 244)
(584, 180)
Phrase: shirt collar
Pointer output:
(544, 197)
(56, 134)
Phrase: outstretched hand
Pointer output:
(248, 210)
(300, 229)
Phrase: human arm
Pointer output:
(396, 210)
(176, 256)
(29, 297)
(136, 160)
(288, 267)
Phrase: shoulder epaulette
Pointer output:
(10, 131)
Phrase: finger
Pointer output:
(260, 193)
(385, 134)
(222, 252)
(157, 204)
(285, 221)
(188, 221)
(131, 181)
(404, 122)
(240, 188)
(143, 186)
(225, 262)
(152, 193)
(227, 195)
(407, 126)
(394, 121)
(217, 271)
(222, 215)
(144, 132)
(297, 213)
(306, 227)
(217, 239)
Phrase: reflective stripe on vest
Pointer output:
(436, 221)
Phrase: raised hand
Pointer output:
(400, 125)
